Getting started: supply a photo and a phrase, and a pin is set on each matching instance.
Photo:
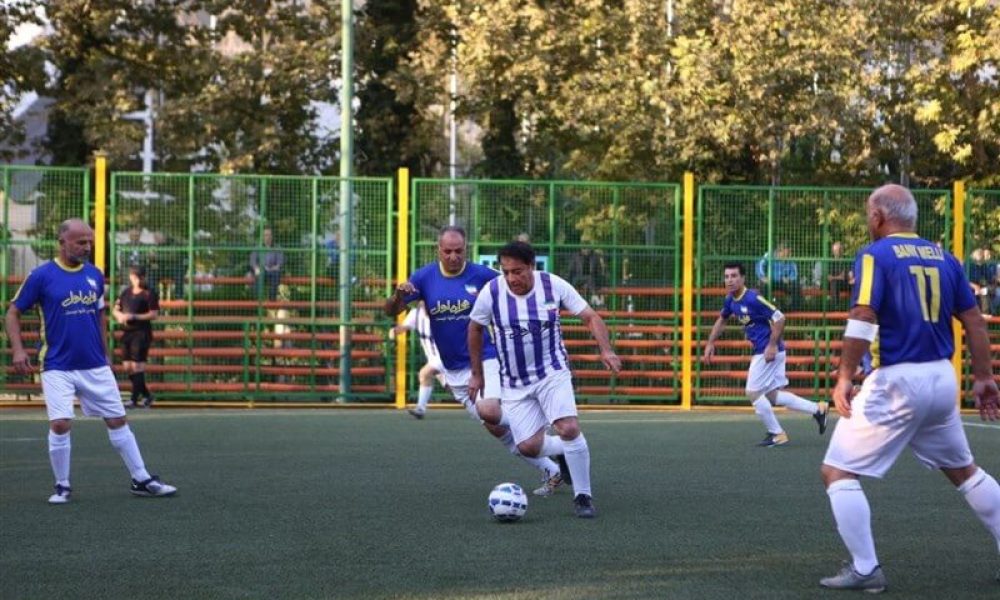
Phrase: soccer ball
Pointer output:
(508, 503)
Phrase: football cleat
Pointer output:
(147, 401)
(583, 505)
(564, 469)
(549, 485)
(849, 579)
(152, 488)
(820, 415)
(61, 496)
(417, 414)
(774, 439)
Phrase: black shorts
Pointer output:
(135, 345)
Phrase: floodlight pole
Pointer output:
(346, 194)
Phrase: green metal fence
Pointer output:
(33, 202)
(618, 244)
(982, 260)
(797, 247)
(247, 270)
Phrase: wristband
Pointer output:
(861, 330)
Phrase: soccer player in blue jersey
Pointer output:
(522, 308)
(906, 293)
(763, 324)
(74, 359)
(448, 287)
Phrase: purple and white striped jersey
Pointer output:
(526, 329)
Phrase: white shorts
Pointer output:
(765, 376)
(540, 404)
(96, 388)
(458, 381)
(908, 404)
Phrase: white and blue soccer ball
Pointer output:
(508, 502)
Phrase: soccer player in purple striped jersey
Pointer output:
(763, 325)
(906, 293)
(448, 288)
(522, 308)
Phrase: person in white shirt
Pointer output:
(522, 308)
(418, 320)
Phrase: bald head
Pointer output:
(891, 209)
(76, 241)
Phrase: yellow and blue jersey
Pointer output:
(754, 314)
(915, 289)
(71, 300)
(449, 300)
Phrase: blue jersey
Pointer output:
(71, 301)
(915, 288)
(449, 300)
(754, 314)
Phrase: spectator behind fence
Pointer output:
(130, 254)
(587, 273)
(983, 278)
(135, 309)
(839, 276)
(166, 262)
(266, 266)
(784, 274)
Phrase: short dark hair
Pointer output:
(139, 270)
(452, 228)
(735, 265)
(520, 251)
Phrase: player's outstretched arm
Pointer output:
(397, 301)
(599, 330)
(984, 387)
(19, 355)
(861, 325)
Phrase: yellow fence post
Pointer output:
(402, 272)
(100, 207)
(958, 249)
(687, 296)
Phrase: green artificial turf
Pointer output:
(374, 504)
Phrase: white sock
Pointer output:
(60, 448)
(854, 522)
(762, 407)
(423, 397)
(790, 400)
(578, 460)
(553, 445)
(982, 492)
(124, 442)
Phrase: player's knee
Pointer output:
(832, 474)
(115, 422)
(489, 410)
(568, 428)
(60, 426)
(497, 431)
(530, 448)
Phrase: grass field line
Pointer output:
(983, 425)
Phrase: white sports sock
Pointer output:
(60, 449)
(854, 522)
(762, 407)
(124, 442)
(578, 460)
(553, 445)
(790, 400)
(423, 397)
(982, 492)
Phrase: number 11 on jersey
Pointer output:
(931, 275)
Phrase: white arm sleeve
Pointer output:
(567, 295)
(482, 310)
